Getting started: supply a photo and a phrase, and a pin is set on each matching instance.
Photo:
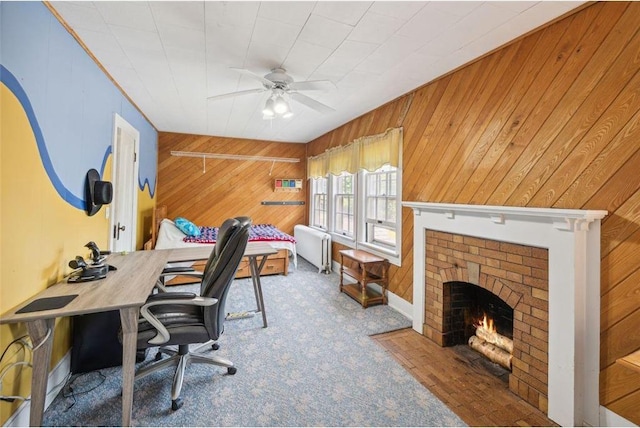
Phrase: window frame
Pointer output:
(313, 208)
(334, 206)
(359, 241)
(381, 196)
(393, 253)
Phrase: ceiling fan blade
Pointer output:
(236, 94)
(311, 103)
(267, 83)
(312, 85)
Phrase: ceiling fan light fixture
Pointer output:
(281, 106)
(269, 108)
(280, 89)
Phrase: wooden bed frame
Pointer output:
(275, 264)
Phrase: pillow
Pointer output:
(187, 227)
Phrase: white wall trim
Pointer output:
(120, 125)
(611, 419)
(56, 381)
(400, 305)
(335, 267)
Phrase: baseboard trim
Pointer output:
(400, 305)
(55, 383)
(612, 419)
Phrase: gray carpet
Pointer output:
(315, 365)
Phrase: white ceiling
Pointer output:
(170, 56)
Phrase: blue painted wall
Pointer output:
(69, 100)
(57, 110)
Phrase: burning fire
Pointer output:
(492, 344)
(486, 324)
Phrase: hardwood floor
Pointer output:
(476, 390)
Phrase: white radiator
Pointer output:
(314, 246)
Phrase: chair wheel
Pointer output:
(176, 404)
(215, 346)
(231, 370)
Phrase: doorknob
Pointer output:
(117, 229)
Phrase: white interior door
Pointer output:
(125, 185)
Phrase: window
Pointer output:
(344, 205)
(319, 203)
(360, 216)
(381, 207)
(356, 192)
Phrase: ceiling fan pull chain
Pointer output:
(271, 169)
(204, 164)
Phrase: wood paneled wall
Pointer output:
(229, 188)
(551, 120)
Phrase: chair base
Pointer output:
(180, 359)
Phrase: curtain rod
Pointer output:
(233, 157)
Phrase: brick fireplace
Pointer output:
(545, 265)
(517, 275)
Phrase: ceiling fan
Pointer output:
(282, 87)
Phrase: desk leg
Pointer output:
(38, 331)
(129, 320)
(257, 287)
(252, 269)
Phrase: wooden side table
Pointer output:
(366, 269)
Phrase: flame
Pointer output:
(487, 324)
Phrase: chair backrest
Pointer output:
(222, 237)
(244, 220)
(222, 266)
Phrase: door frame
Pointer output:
(120, 124)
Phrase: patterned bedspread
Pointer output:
(258, 232)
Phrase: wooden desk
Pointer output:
(254, 251)
(125, 289)
(366, 269)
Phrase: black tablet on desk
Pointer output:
(47, 303)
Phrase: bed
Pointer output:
(165, 234)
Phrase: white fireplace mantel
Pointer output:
(572, 238)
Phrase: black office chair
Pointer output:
(178, 318)
(190, 271)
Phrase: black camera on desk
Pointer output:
(95, 270)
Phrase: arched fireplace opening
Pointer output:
(468, 304)
(479, 318)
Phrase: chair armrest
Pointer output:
(170, 296)
(181, 271)
(160, 299)
(191, 272)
